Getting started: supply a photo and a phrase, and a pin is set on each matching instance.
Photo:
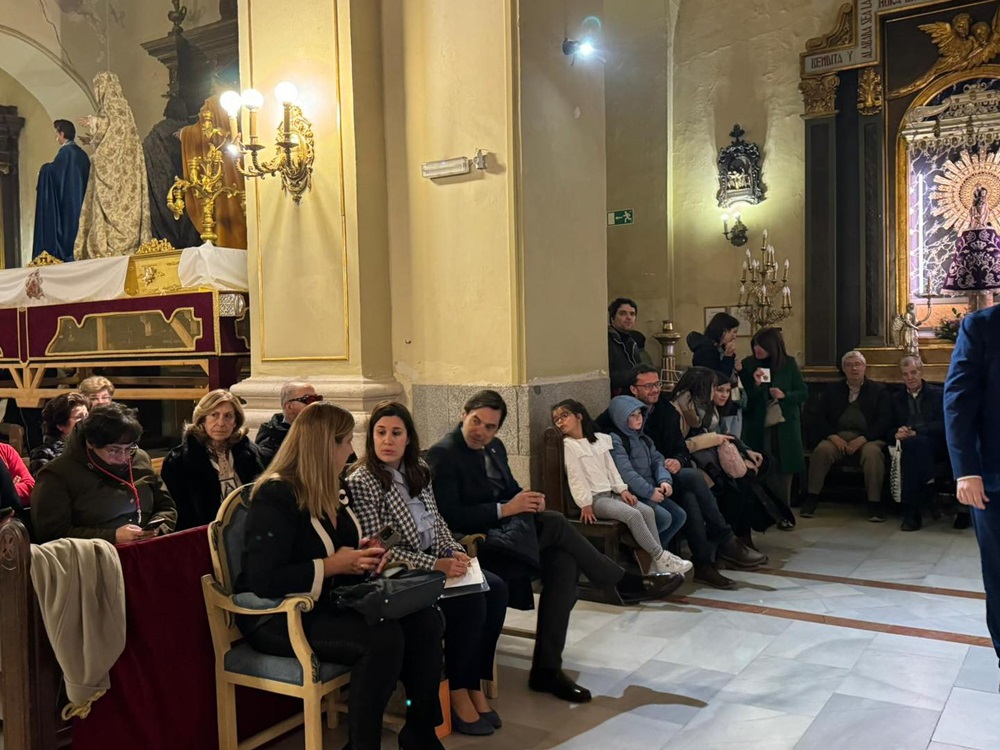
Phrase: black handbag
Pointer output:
(392, 597)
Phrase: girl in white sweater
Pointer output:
(598, 489)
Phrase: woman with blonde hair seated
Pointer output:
(214, 458)
(302, 537)
(391, 486)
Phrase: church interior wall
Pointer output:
(447, 93)
(637, 40)
(36, 145)
(665, 129)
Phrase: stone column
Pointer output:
(319, 269)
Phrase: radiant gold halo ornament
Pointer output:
(953, 198)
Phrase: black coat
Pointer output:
(873, 400)
(705, 353)
(464, 495)
(283, 546)
(50, 449)
(626, 350)
(271, 435)
(194, 483)
(931, 400)
(463, 492)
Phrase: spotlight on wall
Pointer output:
(579, 48)
(737, 234)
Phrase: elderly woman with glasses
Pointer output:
(102, 486)
(214, 458)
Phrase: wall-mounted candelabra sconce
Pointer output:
(737, 234)
(581, 47)
(294, 141)
(433, 170)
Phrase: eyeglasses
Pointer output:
(656, 385)
(113, 450)
(310, 398)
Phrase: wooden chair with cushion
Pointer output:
(236, 663)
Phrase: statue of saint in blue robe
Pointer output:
(61, 187)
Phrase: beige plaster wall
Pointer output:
(737, 67)
(36, 145)
(563, 194)
(637, 43)
(447, 93)
(307, 303)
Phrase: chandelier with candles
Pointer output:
(760, 289)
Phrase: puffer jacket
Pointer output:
(635, 456)
(271, 435)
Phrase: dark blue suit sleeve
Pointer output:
(963, 399)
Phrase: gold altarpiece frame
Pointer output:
(855, 43)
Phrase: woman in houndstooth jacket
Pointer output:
(391, 486)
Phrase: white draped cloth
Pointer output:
(207, 266)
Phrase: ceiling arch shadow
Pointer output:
(56, 86)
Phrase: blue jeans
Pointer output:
(670, 517)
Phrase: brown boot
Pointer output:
(708, 573)
(737, 554)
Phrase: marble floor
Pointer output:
(857, 636)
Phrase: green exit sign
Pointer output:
(615, 218)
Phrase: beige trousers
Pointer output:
(826, 455)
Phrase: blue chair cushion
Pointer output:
(242, 659)
(249, 600)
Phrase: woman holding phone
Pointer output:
(301, 535)
(772, 422)
(391, 489)
(102, 486)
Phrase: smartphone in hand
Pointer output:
(387, 538)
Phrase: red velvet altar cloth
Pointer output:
(162, 694)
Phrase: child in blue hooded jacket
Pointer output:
(641, 466)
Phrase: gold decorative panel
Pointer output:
(148, 331)
(153, 273)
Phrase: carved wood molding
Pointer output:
(842, 34)
(870, 97)
(819, 95)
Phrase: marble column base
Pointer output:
(356, 394)
(438, 408)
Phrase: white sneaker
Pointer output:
(667, 563)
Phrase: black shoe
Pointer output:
(739, 555)
(809, 505)
(478, 728)
(659, 586)
(962, 521)
(708, 573)
(912, 522)
(492, 718)
(418, 738)
(786, 525)
(877, 514)
(556, 682)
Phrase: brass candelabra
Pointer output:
(205, 179)
(760, 288)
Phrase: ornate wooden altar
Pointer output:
(156, 338)
(902, 117)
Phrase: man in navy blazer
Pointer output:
(971, 409)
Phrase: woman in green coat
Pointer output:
(771, 376)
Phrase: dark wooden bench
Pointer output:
(30, 676)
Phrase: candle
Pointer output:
(725, 224)
(765, 239)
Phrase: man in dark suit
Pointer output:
(918, 413)
(971, 406)
(477, 493)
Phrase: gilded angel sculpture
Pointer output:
(961, 45)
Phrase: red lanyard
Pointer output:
(130, 483)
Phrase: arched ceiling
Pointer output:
(53, 83)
